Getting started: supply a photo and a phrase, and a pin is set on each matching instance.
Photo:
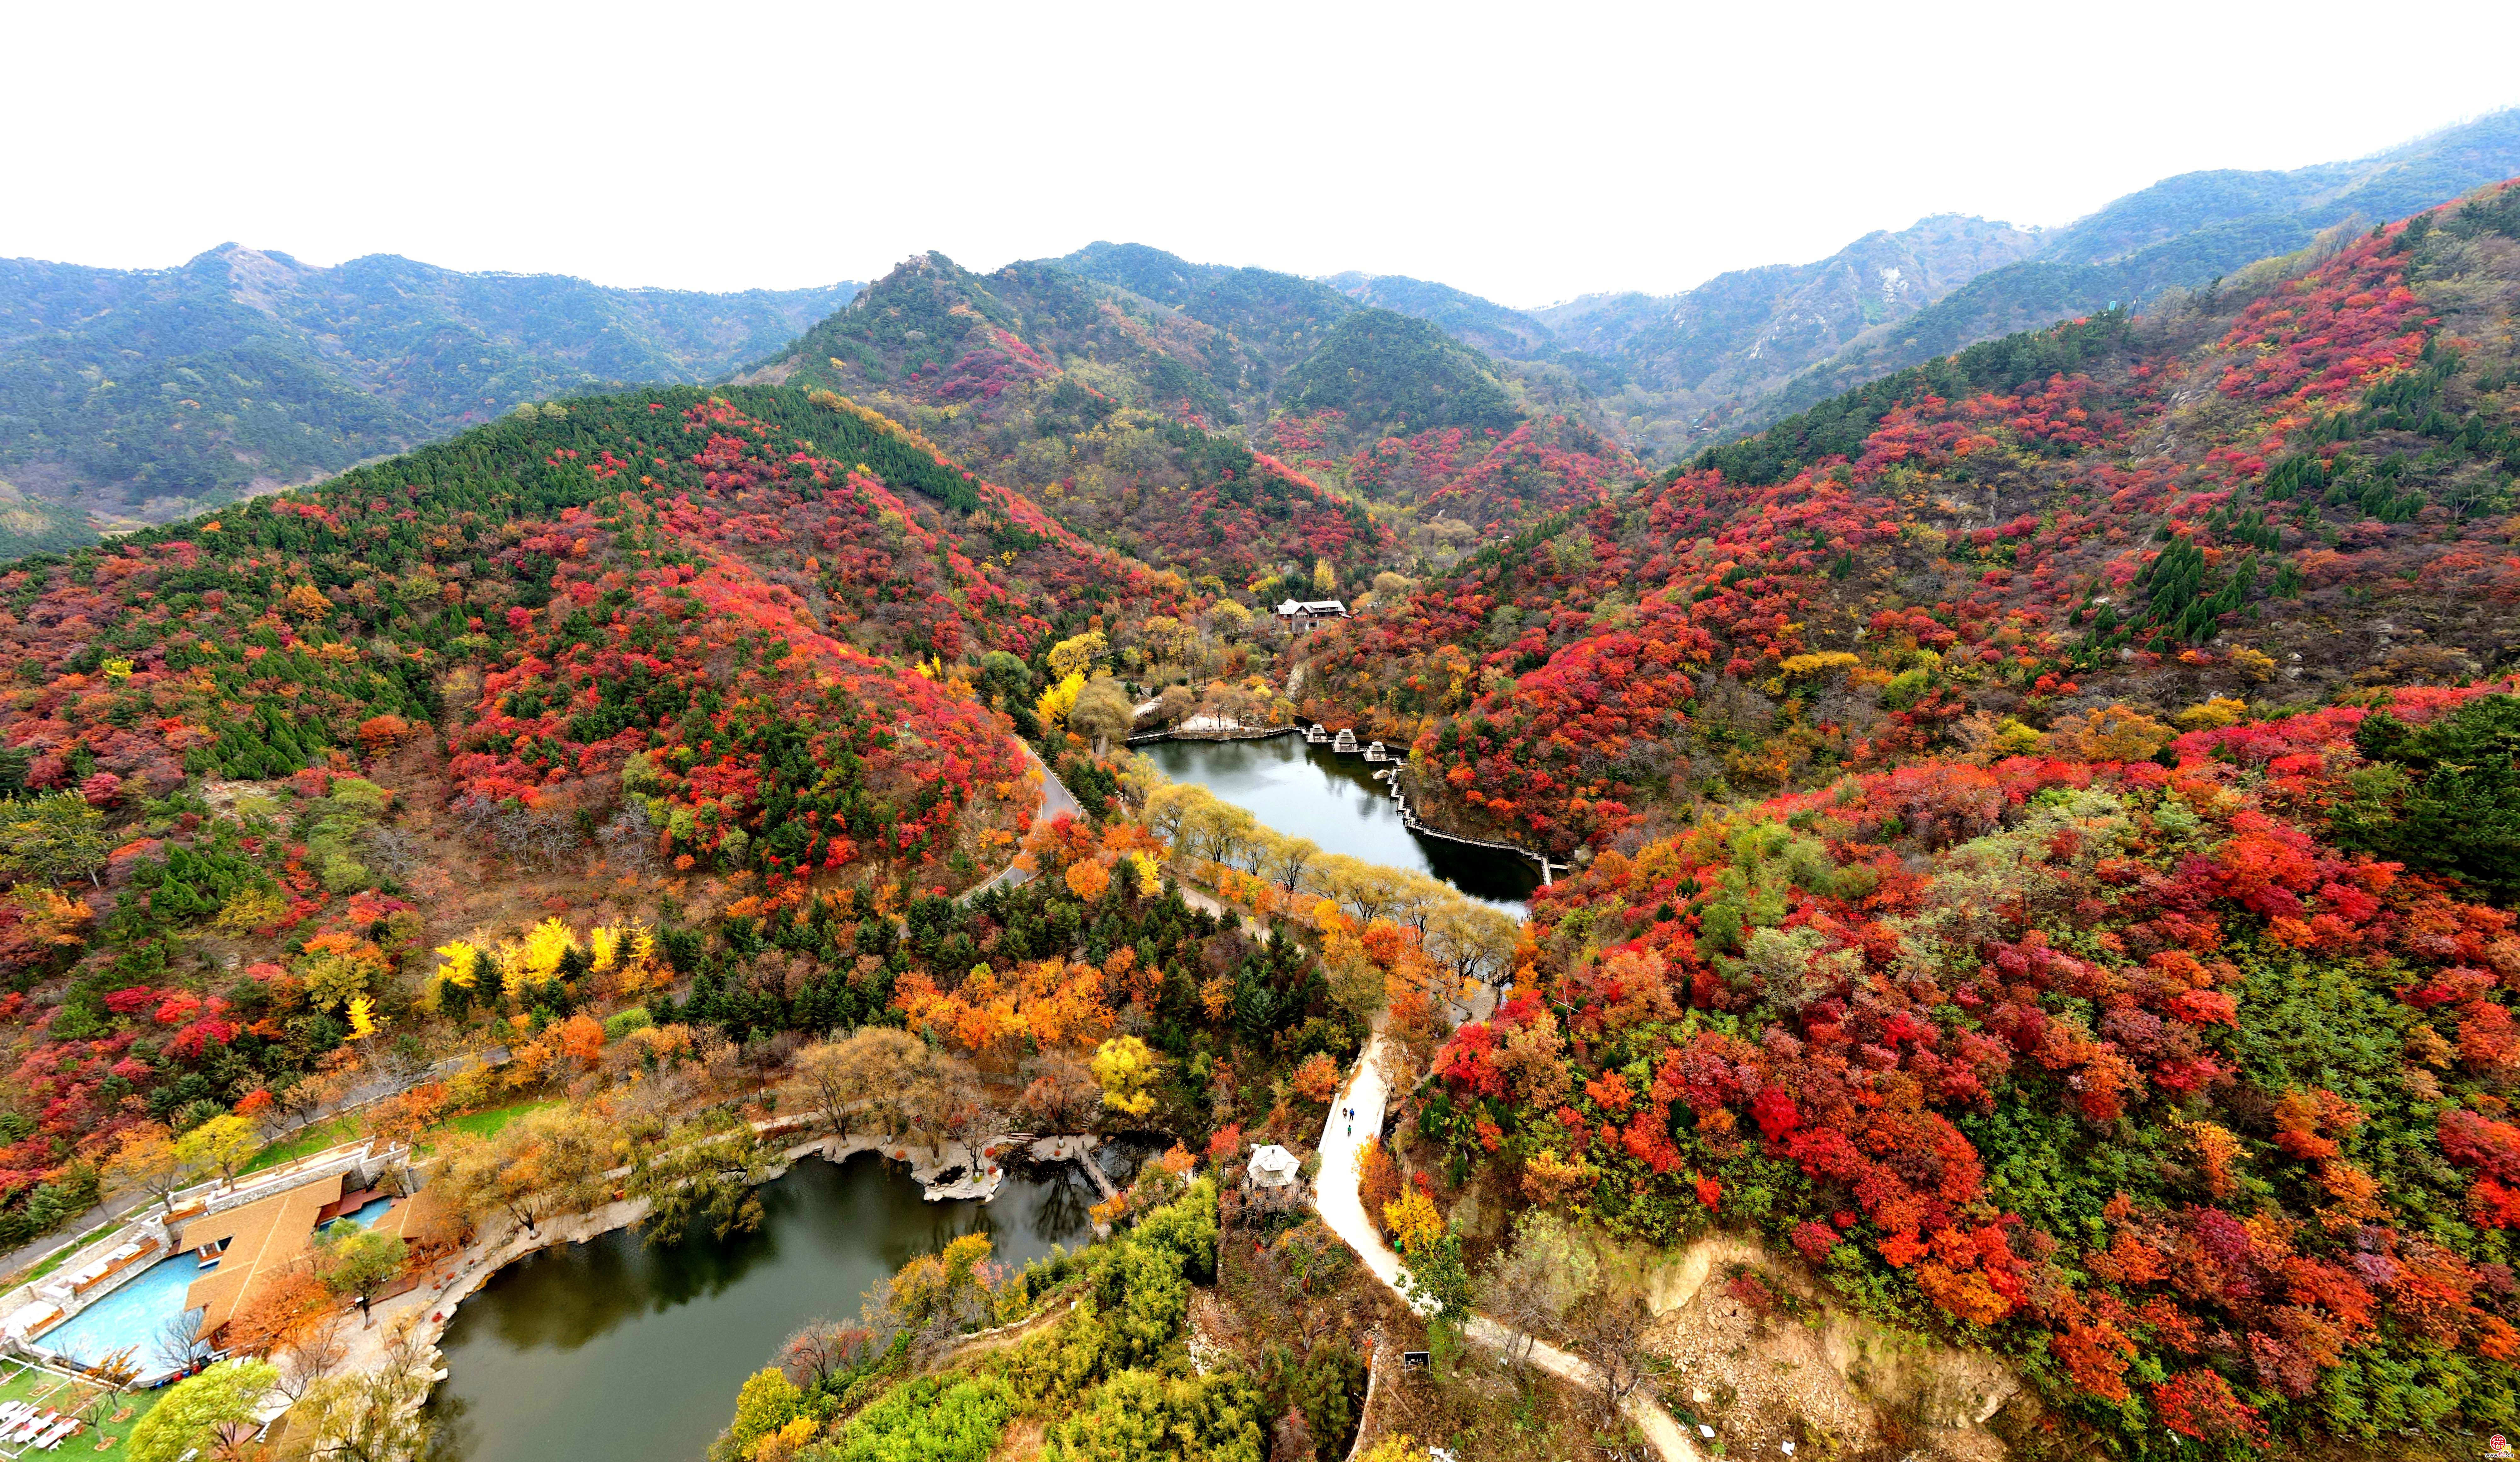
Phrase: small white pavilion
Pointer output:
(1273, 1167)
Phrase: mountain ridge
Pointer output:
(142, 395)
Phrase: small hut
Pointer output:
(1273, 1174)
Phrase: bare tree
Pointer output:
(321, 1344)
(1292, 1438)
(824, 1349)
(965, 1118)
(1063, 1097)
(1609, 1333)
(392, 852)
(368, 1415)
(175, 1342)
(545, 1162)
(629, 839)
(857, 1083)
(1531, 1285)
(1471, 939)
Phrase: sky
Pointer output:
(1527, 152)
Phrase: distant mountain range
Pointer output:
(1688, 370)
(146, 393)
(138, 396)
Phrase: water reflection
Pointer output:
(614, 1351)
(1307, 791)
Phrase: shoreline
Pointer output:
(423, 1314)
(1408, 818)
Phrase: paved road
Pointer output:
(1055, 798)
(1335, 1195)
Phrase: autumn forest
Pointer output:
(2032, 840)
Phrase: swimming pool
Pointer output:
(365, 1215)
(133, 1317)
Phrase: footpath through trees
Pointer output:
(1341, 1207)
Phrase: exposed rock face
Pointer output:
(1773, 1359)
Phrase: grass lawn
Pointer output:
(58, 1392)
(61, 1257)
(346, 1128)
(305, 1143)
(487, 1123)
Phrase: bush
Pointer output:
(1139, 1414)
(930, 1420)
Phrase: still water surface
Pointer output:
(1308, 790)
(617, 1351)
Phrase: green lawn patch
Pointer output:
(307, 1142)
(348, 1128)
(56, 1391)
(487, 1123)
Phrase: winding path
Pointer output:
(1335, 1195)
(1056, 800)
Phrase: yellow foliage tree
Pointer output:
(1077, 655)
(1413, 1221)
(458, 963)
(226, 1142)
(545, 945)
(337, 967)
(1060, 698)
(1126, 1066)
(2221, 711)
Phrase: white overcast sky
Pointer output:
(1529, 153)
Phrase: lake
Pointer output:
(618, 1351)
(1308, 790)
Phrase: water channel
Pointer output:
(1308, 790)
(617, 1351)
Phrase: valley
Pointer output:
(596, 913)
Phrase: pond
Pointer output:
(617, 1351)
(1308, 790)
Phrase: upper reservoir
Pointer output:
(620, 1351)
(1308, 790)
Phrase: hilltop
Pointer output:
(142, 396)
(1727, 358)
(1231, 424)
(2294, 488)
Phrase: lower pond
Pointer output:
(618, 1351)
(1308, 790)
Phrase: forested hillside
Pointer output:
(143, 394)
(1232, 425)
(2295, 488)
(1681, 367)
(2175, 1072)
(753, 633)
(2182, 233)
